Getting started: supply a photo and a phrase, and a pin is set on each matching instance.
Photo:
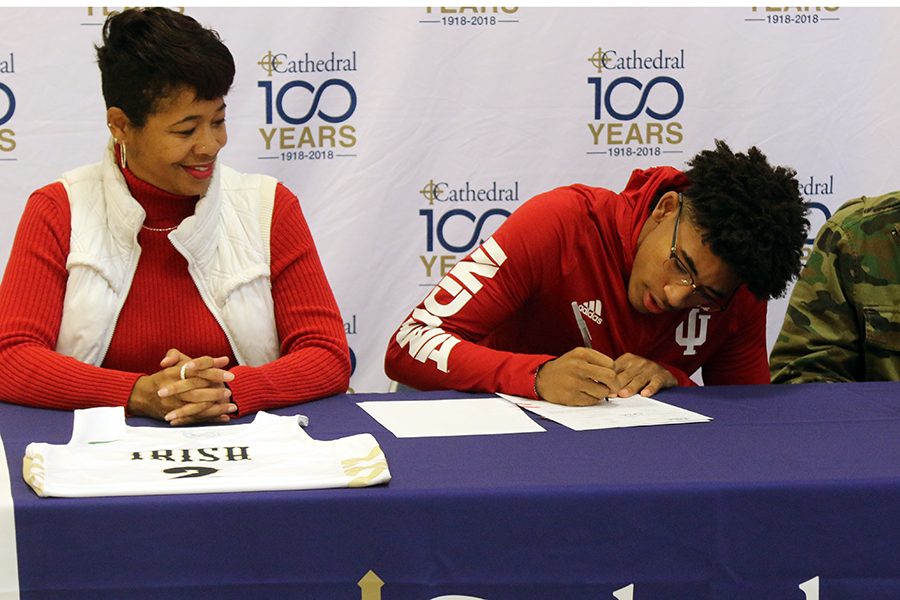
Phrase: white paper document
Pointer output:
(634, 411)
(9, 562)
(437, 418)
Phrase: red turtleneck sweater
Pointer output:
(163, 310)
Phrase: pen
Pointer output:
(582, 326)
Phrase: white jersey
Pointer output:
(106, 457)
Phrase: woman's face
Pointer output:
(176, 148)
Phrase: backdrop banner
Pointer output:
(410, 134)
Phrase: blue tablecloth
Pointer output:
(788, 486)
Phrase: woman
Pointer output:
(159, 252)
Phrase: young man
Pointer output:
(669, 275)
(843, 321)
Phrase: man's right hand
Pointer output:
(580, 377)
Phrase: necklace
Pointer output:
(160, 229)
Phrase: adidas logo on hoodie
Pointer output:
(592, 310)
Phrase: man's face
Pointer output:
(659, 283)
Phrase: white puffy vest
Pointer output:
(225, 242)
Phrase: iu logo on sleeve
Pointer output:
(692, 331)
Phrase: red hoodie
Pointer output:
(506, 308)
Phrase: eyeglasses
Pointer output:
(674, 266)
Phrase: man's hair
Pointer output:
(148, 53)
(751, 215)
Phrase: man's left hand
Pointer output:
(640, 375)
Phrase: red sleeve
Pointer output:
(31, 300)
(743, 358)
(438, 345)
(683, 378)
(315, 358)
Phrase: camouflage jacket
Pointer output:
(843, 321)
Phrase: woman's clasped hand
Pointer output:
(185, 391)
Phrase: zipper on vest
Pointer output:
(207, 299)
(121, 303)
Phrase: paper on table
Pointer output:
(633, 411)
(436, 418)
(9, 562)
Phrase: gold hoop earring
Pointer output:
(123, 155)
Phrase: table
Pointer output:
(792, 492)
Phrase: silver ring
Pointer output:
(183, 367)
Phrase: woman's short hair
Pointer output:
(149, 53)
